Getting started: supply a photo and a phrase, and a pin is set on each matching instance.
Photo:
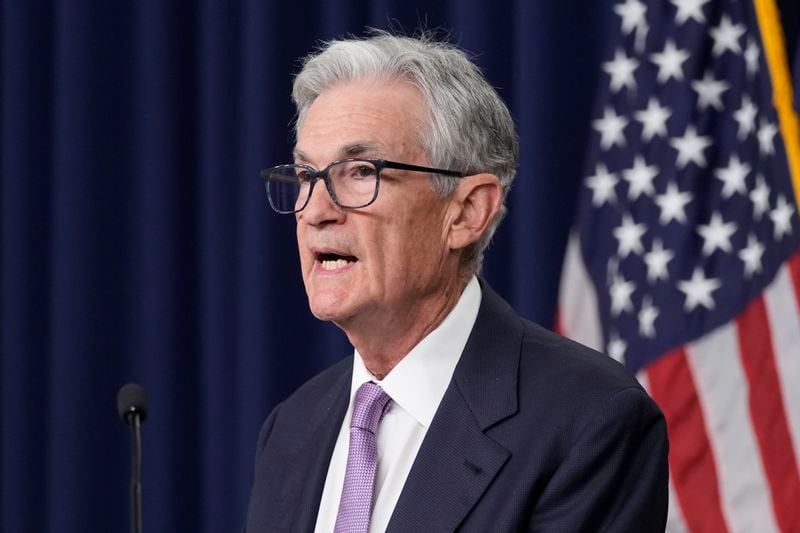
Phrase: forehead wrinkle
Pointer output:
(350, 150)
(351, 121)
(360, 148)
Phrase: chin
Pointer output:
(327, 307)
(324, 315)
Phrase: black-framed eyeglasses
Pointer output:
(351, 183)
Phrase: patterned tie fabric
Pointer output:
(355, 507)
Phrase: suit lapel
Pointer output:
(316, 452)
(457, 460)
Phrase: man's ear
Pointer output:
(476, 201)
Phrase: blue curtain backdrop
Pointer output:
(137, 245)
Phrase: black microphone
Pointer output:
(132, 409)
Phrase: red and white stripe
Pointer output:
(732, 404)
(675, 521)
(577, 301)
(783, 310)
(722, 392)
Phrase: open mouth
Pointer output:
(333, 261)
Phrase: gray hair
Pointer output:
(469, 127)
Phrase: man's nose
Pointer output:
(320, 208)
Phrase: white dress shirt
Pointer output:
(416, 386)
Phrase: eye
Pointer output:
(303, 175)
(362, 171)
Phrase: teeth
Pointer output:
(334, 264)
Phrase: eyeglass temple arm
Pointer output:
(417, 168)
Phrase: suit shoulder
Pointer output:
(549, 365)
(571, 365)
(565, 387)
(326, 383)
(316, 397)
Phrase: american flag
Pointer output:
(684, 262)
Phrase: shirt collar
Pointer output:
(418, 382)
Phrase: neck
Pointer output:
(385, 342)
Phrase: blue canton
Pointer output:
(687, 209)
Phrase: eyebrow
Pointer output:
(356, 149)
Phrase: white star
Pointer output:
(653, 119)
(689, 9)
(745, 116)
(766, 134)
(726, 36)
(716, 234)
(602, 184)
(733, 177)
(751, 55)
(670, 62)
(672, 204)
(640, 177)
(629, 235)
(690, 148)
(782, 218)
(632, 13)
(616, 348)
(647, 318)
(620, 292)
(657, 261)
(621, 70)
(709, 92)
(760, 198)
(611, 128)
(698, 290)
(751, 256)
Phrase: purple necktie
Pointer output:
(355, 507)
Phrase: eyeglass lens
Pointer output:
(354, 184)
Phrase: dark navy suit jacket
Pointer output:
(534, 433)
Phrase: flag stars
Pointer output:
(640, 178)
(698, 289)
(653, 119)
(616, 348)
(690, 148)
(709, 92)
(716, 234)
(766, 137)
(673, 204)
(751, 56)
(689, 9)
(621, 291)
(733, 177)
(751, 256)
(657, 260)
(602, 184)
(611, 128)
(629, 234)
(782, 218)
(647, 318)
(633, 15)
(726, 36)
(670, 62)
(621, 70)
(745, 116)
(760, 198)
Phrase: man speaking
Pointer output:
(453, 413)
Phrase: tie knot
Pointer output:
(371, 403)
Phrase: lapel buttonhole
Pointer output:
(475, 469)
